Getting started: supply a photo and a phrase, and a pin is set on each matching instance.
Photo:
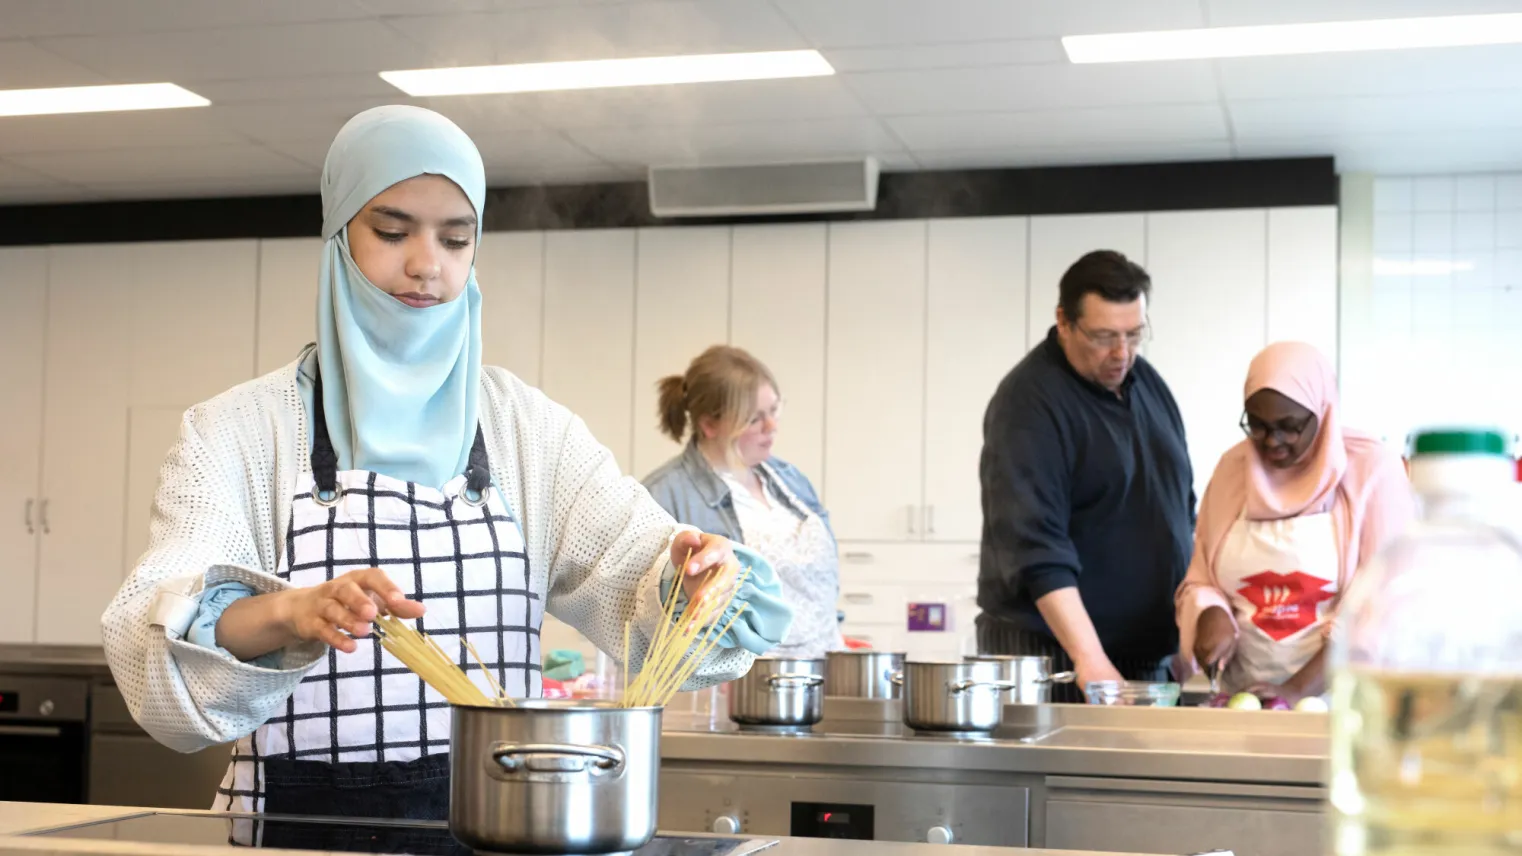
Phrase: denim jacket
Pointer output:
(688, 488)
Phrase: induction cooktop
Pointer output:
(423, 838)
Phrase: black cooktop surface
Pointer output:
(298, 833)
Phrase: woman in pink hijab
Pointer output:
(1288, 517)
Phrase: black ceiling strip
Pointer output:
(906, 195)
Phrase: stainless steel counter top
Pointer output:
(1070, 740)
(62, 660)
(42, 816)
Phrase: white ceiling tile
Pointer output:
(167, 165)
(865, 23)
(1018, 156)
(434, 7)
(564, 174)
(1236, 13)
(954, 55)
(204, 188)
(693, 104)
(13, 176)
(1403, 154)
(529, 149)
(84, 132)
(1332, 117)
(1032, 87)
(32, 18)
(23, 65)
(288, 50)
(579, 32)
(1371, 73)
(768, 142)
(307, 120)
(1110, 125)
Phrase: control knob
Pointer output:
(46, 708)
(726, 824)
(940, 835)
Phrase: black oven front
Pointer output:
(44, 738)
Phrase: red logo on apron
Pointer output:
(1286, 602)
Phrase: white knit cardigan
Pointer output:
(597, 547)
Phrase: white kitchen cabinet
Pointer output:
(589, 331)
(91, 291)
(1209, 318)
(288, 271)
(190, 333)
(24, 286)
(777, 312)
(510, 272)
(681, 308)
(975, 333)
(151, 433)
(1302, 276)
(875, 379)
(1058, 241)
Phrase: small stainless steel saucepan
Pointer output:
(1031, 674)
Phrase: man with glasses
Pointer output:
(1088, 500)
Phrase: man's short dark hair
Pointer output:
(1106, 273)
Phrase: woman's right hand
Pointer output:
(345, 604)
(1214, 637)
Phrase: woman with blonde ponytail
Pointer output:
(726, 481)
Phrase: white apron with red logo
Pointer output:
(1281, 576)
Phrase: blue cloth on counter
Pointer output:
(767, 617)
(399, 382)
(764, 625)
(214, 602)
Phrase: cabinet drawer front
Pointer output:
(882, 564)
(874, 604)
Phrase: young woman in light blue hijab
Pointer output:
(387, 470)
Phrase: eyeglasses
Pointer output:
(1259, 431)
(760, 416)
(1108, 340)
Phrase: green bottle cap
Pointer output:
(1460, 441)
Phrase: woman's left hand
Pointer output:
(694, 554)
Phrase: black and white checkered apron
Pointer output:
(363, 736)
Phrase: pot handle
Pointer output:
(794, 680)
(959, 687)
(556, 758)
(896, 677)
(1059, 678)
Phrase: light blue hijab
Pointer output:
(399, 383)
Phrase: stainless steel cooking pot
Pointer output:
(779, 691)
(554, 777)
(1031, 675)
(953, 695)
(862, 674)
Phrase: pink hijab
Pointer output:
(1349, 473)
(1305, 376)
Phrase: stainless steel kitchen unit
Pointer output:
(1145, 780)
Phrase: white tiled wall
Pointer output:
(1446, 304)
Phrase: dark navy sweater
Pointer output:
(1085, 488)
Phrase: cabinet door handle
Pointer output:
(910, 518)
(929, 520)
(856, 556)
(30, 528)
(42, 509)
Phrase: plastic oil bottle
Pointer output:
(1426, 665)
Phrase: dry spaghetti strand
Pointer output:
(681, 644)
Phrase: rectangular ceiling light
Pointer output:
(605, 73)
(96, 99)
(1283, 39)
